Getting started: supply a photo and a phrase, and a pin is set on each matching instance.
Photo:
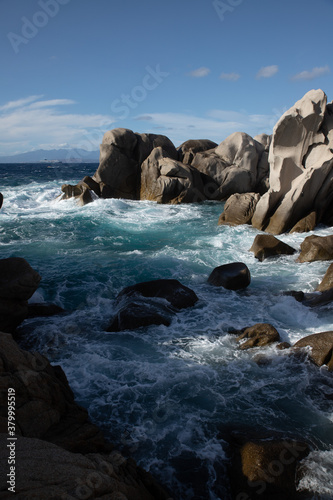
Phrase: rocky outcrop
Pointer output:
(166, 180)
(150, 303)
(48, 472)
(321, 345)
(258, 335)
(306, 224)
(301, 164)
(266, 245)
(233, 276)
(45, 406)
(233, 165)
(18, 282)
(188, 150)
(316, 248)
(239, 209)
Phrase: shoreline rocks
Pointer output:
(233, 276)
(266, 245)
(316, 248)
(258, 335)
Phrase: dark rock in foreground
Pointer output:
(150, 303)
(233, 276)
(266, 245)
(45, 406)
(1, 199)
(316, 248)
(18, 282)
(321, 348)
(48, 472)
(258, 335)
(44, 310)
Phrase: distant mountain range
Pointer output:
(53, 155)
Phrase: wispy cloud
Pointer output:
(267, 71)
(312, 74)
(200, 72)
(232, 77)
(216, 125)
(30, 122)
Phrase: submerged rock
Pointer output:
(239, 209)
(316, 248)
(166, 296)
(258, 335)
(266, 245)
(321, 348)
(233, 276)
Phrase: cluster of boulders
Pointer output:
(279, 182)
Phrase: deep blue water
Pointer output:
(165, 394)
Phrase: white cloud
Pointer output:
(232, 77)
(200, 72)
(28, 123)
(314, 73)
(217, 125)
(267, 71)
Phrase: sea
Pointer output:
(169, 396)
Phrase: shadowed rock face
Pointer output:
(266, 245)
(18, 282)
(188, 150)
(301, 163)
(233, 165)
(233, 276)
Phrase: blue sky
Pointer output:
(188, 69)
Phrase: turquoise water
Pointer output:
(167, 395)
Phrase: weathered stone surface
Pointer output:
(232, 164)
(150, 303)
(327, 281)
(18, 282)
(121, 154)
(239, 209)
(266, 245)
(45, 471)
(81, 192)
(301, 163)
(169, 181)
(258, 335)
(316, 248)
(264, 139)
(308, 223)
(188, 150)
(233, 276)
(45, 406)
(321, 348)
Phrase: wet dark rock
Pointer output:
(18, 282)
(298, 295)
(321, 348)
(283, 345)
(150, 303)
(233, 276)
(267, 245)
(139, 314)
(43, 310)
(172, 290)
(1, 199)
(316, 248)
(258, 335)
